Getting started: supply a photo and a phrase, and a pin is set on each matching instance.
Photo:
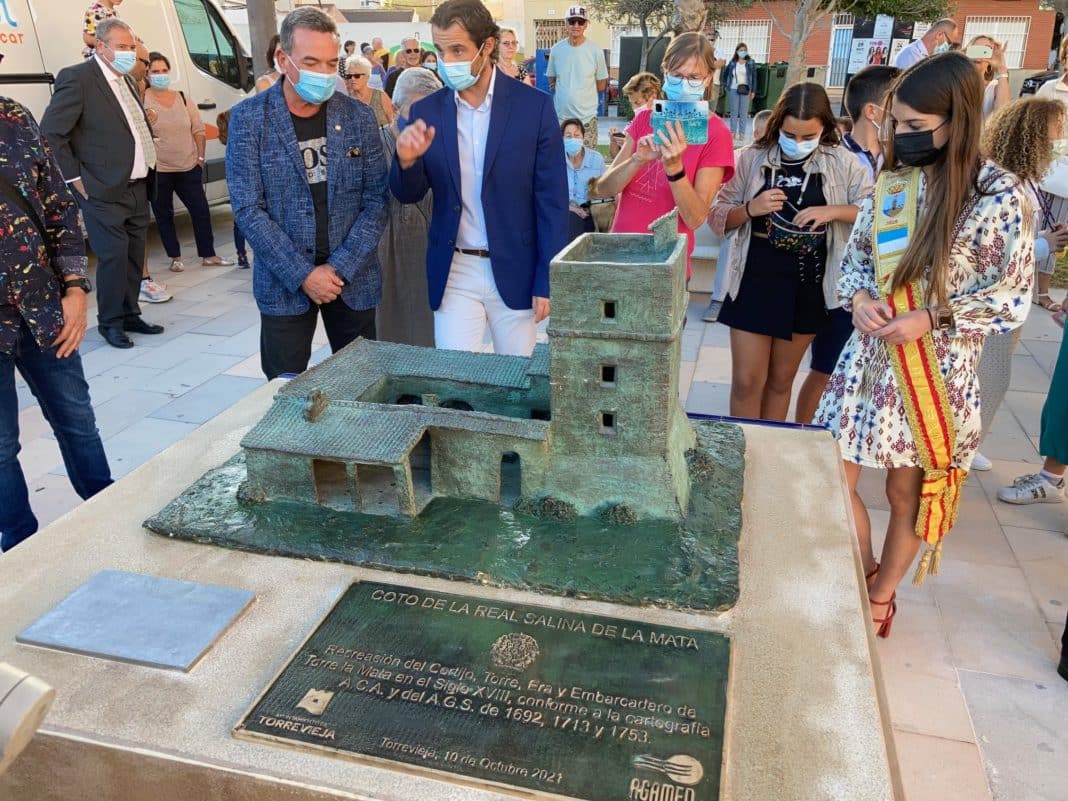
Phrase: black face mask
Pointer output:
(917, 148)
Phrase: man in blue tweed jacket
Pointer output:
(307, 183)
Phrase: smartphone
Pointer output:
(693, 114)
(979, 52)
(619, 135)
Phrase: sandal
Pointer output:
(1048, 304)
(216, 261)
(177, 266)
(882, 625)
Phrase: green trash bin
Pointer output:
(772, 85)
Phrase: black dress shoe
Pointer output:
(115, 337)
(139, 326)
(1062, 668)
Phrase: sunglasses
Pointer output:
(581, 22)
(410, 50)
(352, 76)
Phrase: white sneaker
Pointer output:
(981, 463)
(151, 292)
(1033, 488)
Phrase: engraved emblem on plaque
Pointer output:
(315, 701)
(681, 769)
(514, 651)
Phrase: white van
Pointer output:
(40, 37)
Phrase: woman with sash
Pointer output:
(940, 258)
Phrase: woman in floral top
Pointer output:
(97, 11)
(972, 246)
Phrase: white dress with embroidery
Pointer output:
(989, 283)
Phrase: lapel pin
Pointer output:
(354, 153)
(337, 127)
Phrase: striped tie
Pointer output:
(140, 124)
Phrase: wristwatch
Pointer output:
(81, 283)
(943, 318)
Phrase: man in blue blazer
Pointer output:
(491, 150)
(307, 183)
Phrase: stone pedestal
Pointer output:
(804, 717)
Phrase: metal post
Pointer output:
(262, 25)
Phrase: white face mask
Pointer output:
(1060, 147)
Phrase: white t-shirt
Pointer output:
(576, 70)
(913, 54)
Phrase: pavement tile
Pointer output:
(120, 379)
(1027, 375)
(978, 537)
(685, 380)
(202, 403)
(716, 335)
(1045, 352)
(125, 409)
(1045, 516)
(1043, 557)
(936, 769)
(32, 424)
(713, 365)
(103, 359)
(705, 398)
(136, 444)
(1027, 408)
(39, 456)
(1021, 732)
(232, 322)
(248, 368)
(192, 373)
(175, 351)
(51, 497)
(991, 619)
(245, 343)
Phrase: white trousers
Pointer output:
(471, 300)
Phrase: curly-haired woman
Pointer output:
(1024, 138)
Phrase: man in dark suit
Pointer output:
(103, 142)
(491, 150)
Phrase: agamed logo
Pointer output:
(681, 772)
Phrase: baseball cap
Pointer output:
(577, 12)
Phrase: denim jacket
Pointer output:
(845, 182)
(732, 66)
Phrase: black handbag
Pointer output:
(743, 89)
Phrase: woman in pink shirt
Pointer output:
(651, 175)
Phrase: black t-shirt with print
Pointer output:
(311, 139)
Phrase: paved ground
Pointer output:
(977, 707)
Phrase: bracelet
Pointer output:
(747, 211)
(677, 176)
(1004, 75)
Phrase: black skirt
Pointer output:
(781, 294)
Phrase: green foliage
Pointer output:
(929, 10)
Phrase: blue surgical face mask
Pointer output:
(432, 66)
(793, 149)
(457, 75)
(743, 53)
(677, 88)
(159, 81)
(942, 48)
(124, 60)
(315, 87)
(572, 146)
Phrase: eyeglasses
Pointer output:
(413, 50)
(352, 76)
(577, 21)
(509, 44)
(146, 62)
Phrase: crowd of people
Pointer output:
(898, 248)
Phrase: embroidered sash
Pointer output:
(919, 378)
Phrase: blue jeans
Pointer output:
(239, 241)
(60, 387)
(739, 112)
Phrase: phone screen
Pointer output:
(693, 114)
(976, 52)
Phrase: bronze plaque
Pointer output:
(581, 706)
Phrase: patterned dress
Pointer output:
(990, 277)
(96, 13)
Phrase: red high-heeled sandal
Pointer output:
(883, 624)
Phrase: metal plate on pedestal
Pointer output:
(581, 706)
(148, 620)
